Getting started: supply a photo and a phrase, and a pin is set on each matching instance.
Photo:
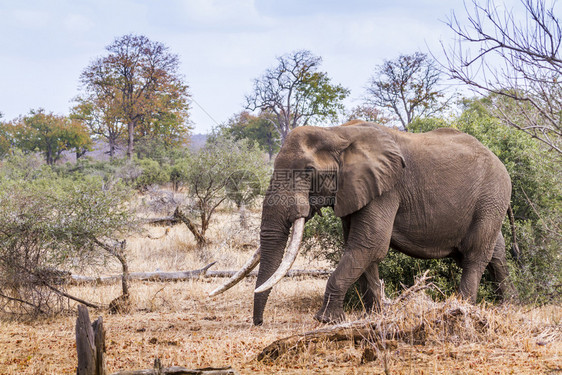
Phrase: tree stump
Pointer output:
(90, 344)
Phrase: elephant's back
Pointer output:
(446, 160)
(452, 145)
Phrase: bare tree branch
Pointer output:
(407, 87)
(516, 59)
(295, 92)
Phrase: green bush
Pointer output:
(87, 167)
(152, 173)
(50, 226)
(323, 236)
(22, 166)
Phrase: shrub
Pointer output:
(152, 173)
(50, 226)
(209, 174)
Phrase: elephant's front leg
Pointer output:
(350, 267)
(367, 244)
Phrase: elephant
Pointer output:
(430, 195)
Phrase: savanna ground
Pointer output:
(178, 323)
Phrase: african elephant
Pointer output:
(432, 195)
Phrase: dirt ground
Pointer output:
(178, 323)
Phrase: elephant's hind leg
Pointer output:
(370, 284)
(499, 270)
(477, 251)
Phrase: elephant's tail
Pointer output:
(515, 252)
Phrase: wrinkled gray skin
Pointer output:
(433, 195)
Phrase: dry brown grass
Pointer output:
(179, 324)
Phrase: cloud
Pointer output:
(208, 16)
(77, 23)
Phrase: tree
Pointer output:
(101, 118)
(4, 138)
(407, 87)
(50, 226)
(296, 93)
(50, 134)
(260, 129)
(209, 175)
(369, 113)
(138, 83)
(516, 58)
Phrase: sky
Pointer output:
(223, 45)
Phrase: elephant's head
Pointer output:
(344, 167)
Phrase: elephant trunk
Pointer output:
(275, 228)
(289, 258)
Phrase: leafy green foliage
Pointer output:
(19, 166)
(50, 225)
(212, 175)
(260, 129)
(49, 134)
(152, 173)
(323, 236)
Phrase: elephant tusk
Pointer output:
(245, 270)
(288, 260)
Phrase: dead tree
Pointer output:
(90, 344)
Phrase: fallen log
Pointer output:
(359, 331)
(163, 221)
(348, 332)
(183, 275)
(291, 273)
(143, 276)
(178, 370)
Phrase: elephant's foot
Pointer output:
(329, 316)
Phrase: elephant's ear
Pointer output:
(369, 166)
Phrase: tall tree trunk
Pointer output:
(130, 143)
(49, 155)
(111, 147)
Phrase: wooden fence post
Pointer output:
(90, 344)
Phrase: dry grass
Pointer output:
(179, 324)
